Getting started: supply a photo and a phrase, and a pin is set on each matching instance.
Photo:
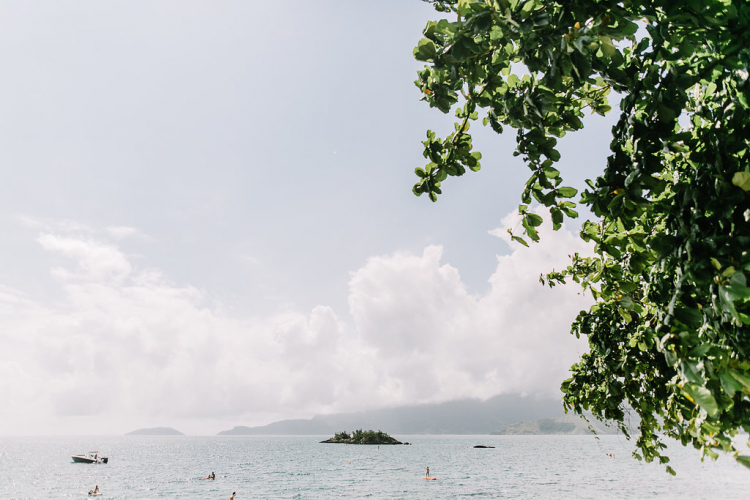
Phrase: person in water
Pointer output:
(233, 494)
(428, 472)
(95, 490)
(213, 475)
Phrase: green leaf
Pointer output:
(464, 6)
(730, 384)
(570, 212)
(702, 397)
(743, 100)
(566, 192)
(607, 47)
(527, 223)
(742, 379)
(728, 302)
(626, 302)
(689, 316)
(742, 180)
(550, 172)
(737, 292)
(700, 350)
(534, 219)
(425, 50)
(519, 240)
(557, 218)
(744, 460)
(690, 371)
(625, 314)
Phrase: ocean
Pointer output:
(299, 467)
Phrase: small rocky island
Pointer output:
(362, 437)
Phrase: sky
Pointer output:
(207, 221)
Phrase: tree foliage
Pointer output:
(669, 332)
(362, 437)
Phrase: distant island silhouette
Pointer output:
(503, 414)
(156, 431)
(568, 425)
(468, 416)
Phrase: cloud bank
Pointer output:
(124, 347)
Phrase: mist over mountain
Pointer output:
(468, 416)
(156, 431)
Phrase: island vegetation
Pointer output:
(362, 437)
(669, 331)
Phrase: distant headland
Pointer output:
(502, 414)
(156, 431)
(570, 425)
(468, 416)
(362, 437)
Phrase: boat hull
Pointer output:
(81, 459)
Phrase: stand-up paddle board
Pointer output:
(431, 478)
(94, 494)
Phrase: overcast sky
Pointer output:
(207, 221)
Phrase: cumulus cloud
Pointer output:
(96, 261)
(128, 344)
(436, 342)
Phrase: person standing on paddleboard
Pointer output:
(428, 472)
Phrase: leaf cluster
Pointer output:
(669, 333)
(363, 437)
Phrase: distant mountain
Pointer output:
(469, 416)
(156, 431)
(569, 424)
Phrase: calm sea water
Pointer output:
(298, 467)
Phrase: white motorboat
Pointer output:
(92, 457)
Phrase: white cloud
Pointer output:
(126, 345)
(437, 342)
(96, 261)
(121, 232)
